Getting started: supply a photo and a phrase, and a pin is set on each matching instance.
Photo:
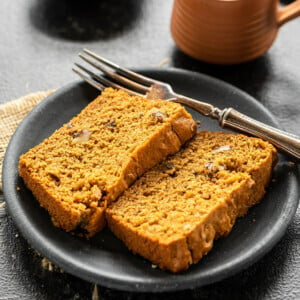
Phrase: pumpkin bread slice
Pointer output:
(173, 213)
(91, 160)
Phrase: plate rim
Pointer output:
(169, 285)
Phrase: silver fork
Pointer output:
(137, 84)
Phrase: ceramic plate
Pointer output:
(104, 259)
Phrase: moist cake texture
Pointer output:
(91, 160)
(173, 213)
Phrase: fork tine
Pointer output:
(133, 75)
(118, 78)
(95, 84)
(105, 82)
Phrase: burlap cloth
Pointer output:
(11, 114)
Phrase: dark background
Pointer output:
(39, 42)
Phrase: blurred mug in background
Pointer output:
(228, 31)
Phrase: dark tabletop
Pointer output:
(39, 41)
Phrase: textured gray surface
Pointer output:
(39, 43)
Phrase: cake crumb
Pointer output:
(95, 294)
(49, 266)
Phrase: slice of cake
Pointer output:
(91, 160)
(173, 213)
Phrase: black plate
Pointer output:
(104, 259)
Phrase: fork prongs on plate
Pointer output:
(118, 77)
(90, 81)
(99, 81)
(125, 72)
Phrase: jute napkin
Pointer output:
(11, 114)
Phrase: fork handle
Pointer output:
(286, 142)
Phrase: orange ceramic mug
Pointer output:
(228, 31)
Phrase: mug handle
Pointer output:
(288, 13)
